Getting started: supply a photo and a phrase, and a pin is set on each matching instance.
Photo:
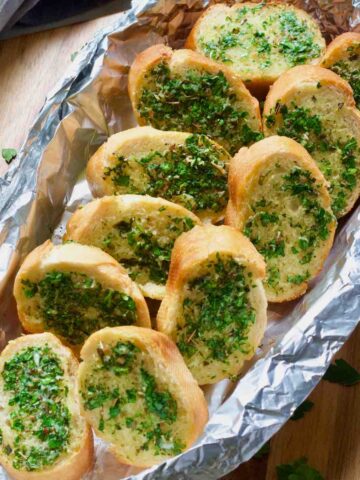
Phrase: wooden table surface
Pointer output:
(329, 435)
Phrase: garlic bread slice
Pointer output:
(182, 90)
(188, 169)
(316, 107)
(138, 231)
(215, 305)
(259, 42)
(138, 395)
(73, 290)
(43, 436)
(342, 56)
(279, 200)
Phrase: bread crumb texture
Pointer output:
(41, 427)
(190, 170)
(137, 401)
(218, 310)
(343, 57)
(321, 116)
(73, 290)
(192, 97)
(138, 231)
(258, 40)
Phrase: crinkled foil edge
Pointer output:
(276, 384)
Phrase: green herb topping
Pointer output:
(349, 69)
(74, 305)
(149, 255)
(292, 223)
(39, 417)
(297, 41)
(197, 102)
(298, 470)
(193, 175)
(252, 33)
(337, 159)
(217, 313)
(133, 402)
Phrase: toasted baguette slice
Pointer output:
(73, 290)
(43, 436)
(279, 199)
(215, 304)
(138, 395)
(342, 56)
(138, 231)
(187, 169)
(184, 91)
(315, 107)
(257, 42)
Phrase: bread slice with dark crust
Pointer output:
(73, 290)
(182, 90)
(40, 407)
(139, 396)
(342, 56)
(316, 107)
(215, 304)
(257, 42)
(187, 169)
(279, 199)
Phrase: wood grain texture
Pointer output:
(30, 67)
(329, 435)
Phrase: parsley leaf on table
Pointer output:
(298, 470)
(8, 154)
(304, 407)
(343, 373)
(264, 450)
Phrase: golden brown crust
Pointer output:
(294, 79)
(245, 168)
(337, 49)
(158, 53)
(191, 252)
(140, 141)
(291, 82)
(169, 364)
(77, 258)
(80, 461)
(143, 62)
(202, 242)
(258, 84)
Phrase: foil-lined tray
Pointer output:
(46, 184)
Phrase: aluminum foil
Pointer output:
(46, 184)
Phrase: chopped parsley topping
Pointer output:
(74, 305)
(338, 160)
(193, 175)
(253, 33)
(217, 313)
(39, 417)
(297, 40)
(298, 470)
(150, 252)
(278, 231)
(132, 399)
(196, 102)
(349, 69)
